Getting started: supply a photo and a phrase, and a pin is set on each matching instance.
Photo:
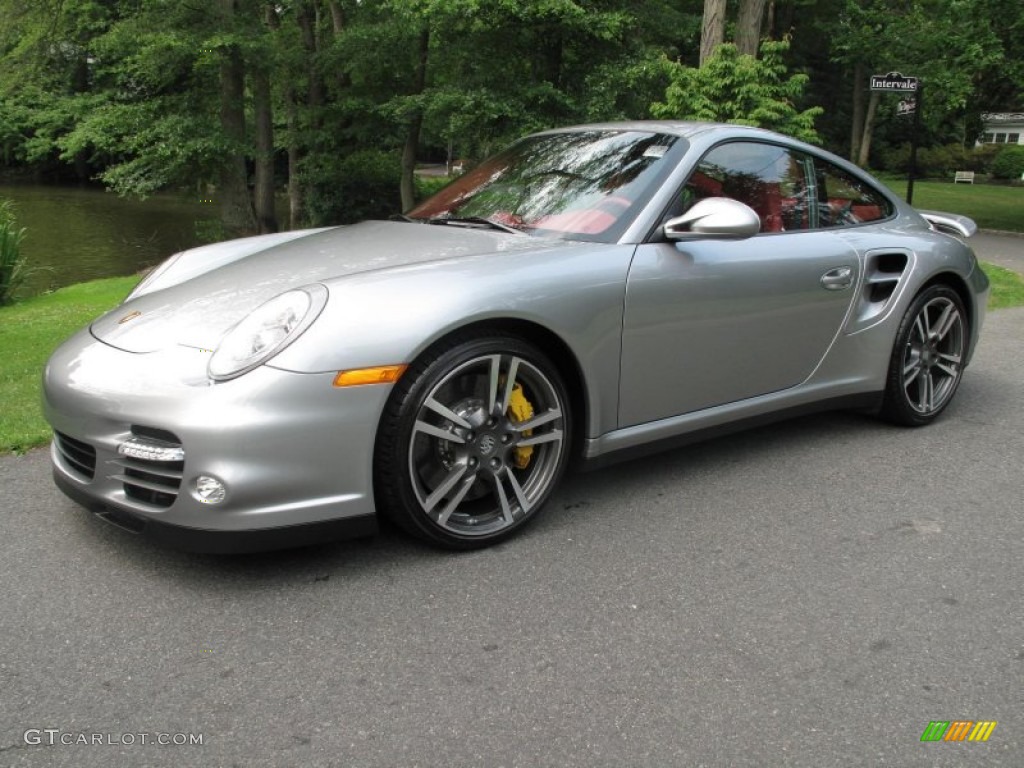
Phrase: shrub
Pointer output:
(362, 185)
(940, 162)
(12, 264)
(1009, 163)
(428, 185)
(738, 88)
(980, 158)
(894, 159)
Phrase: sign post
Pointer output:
(894, 82)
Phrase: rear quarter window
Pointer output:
(844, 200)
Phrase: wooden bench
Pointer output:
(966, 176)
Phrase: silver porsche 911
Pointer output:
(588, 293)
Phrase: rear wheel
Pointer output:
(928, 357)
(472, 442)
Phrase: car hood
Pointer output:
(200, 310)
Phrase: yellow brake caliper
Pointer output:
(520, 409)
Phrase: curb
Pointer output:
(1003, 232)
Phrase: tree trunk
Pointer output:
(857, 118)
(748, 26)
(869, 129)
(299, 123)
(342, 81)
(296, 216)
(712, 31)
(266, 214)
(235, 206)
(337, 17)
(306, 18)
(412, 138)
(80, 84)
(296, 204)
(553, 59)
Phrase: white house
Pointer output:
(1002, 128)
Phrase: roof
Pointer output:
(684, 128)
(1002, 117)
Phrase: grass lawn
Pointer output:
(31, 329)
(991, 206)
(1007, 287)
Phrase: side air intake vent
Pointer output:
(882, 275)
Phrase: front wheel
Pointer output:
(473, 440)
(928, 357)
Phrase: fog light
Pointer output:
(210, 490)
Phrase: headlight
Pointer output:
(266, 331)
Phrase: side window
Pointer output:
(770, 179)
(844, 200)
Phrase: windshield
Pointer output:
(586, 185)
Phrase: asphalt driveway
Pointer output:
(810, 594)
(1004, 249)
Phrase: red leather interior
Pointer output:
(766, 200)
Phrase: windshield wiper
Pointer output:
(481, 220)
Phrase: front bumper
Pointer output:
(294, 453)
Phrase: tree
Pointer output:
(236, 207)
(946, 45)
(340, 98)
(738, 88)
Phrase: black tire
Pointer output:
(928, 358)
(453, 463)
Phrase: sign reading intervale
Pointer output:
(893, 81)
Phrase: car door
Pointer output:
(710, 322)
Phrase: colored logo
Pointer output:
(129, 316)
(958, 730)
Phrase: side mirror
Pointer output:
(714, 217)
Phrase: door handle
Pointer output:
(837, 279)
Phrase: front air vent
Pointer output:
(155, 434)
(79, 456)
(155, 483)
(152, 466)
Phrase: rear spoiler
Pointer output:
(950, 223)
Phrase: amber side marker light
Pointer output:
(382, 374)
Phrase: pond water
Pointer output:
(79, 233)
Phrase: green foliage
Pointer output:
(940, 162)
(625, 88)
(128, 93)
(363, 185)
(741, 89)
(12, 263)
(429, 185)
(1009, 163)
(934, 162)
